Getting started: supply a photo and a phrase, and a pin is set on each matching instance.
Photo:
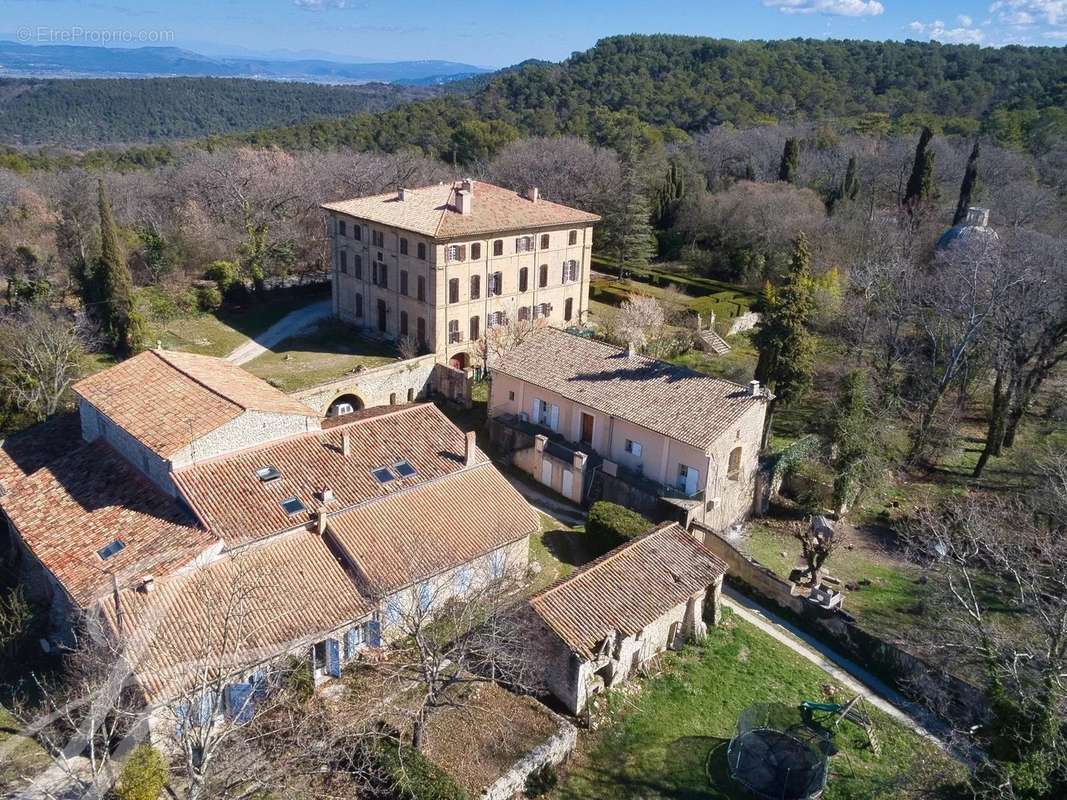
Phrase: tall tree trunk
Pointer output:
(998, 415)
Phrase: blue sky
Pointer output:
(506, 31)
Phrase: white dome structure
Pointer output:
(974, 228)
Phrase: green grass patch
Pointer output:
(330, 351)
(668, 738)
(559, 549)
(738, 365)
(26, 757)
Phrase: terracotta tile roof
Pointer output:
(432, 527)
(675, 401)
(66, 511)
(167, 399)
(240, 610)
(431, 211)
(628, 588)
(231, 500)
(28, 450)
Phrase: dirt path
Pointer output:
(290, 325)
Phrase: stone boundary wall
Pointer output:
(375, 385)
(745, 322)
(911, 675)
(452, 384)
(552, 752)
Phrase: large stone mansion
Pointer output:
(444, 263)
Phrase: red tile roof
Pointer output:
(69, 509)
(231, 500)
(431, 211)
(432, 527)
(677, 402)
(167, 400)
(248, 606)
(28, 450)
(628, 588)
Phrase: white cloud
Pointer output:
(964, 34)
(965, 21)
(1055, 34)
(837, 8)
(1028, 12)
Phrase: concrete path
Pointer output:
(290, 325)
(849, 674)
(563, 513)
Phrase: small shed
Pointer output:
(605, 620)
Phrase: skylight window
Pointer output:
(292, 505)
(383, 475)
(107, 552)
(404, 469)
(268, 473)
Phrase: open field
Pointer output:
(666, 736)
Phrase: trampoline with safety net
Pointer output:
(775, 755)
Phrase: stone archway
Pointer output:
(459, 361)
(344, 404)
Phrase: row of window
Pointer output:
(523, 244)
(539, 311)
(496, 281)
(378, 239)
(380, 276)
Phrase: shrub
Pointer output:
(299, 681)
(224, 273)
(414, 777)
(143, 776)
(208, 298)
(541, 781)
(610, 524)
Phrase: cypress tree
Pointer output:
(628, 230)
(920, 186)
(970, 182)
(786, 349)
(111, 287)
(750, 171)
(850, 189)
(787, 171)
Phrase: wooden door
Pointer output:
(587, 428)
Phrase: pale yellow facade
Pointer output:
(725, 470)
(393, 282)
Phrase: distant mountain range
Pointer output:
(70, 61)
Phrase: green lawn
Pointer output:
(25, 758)
(667, 737)
(559, 550)
(330, 351)
(738, 365)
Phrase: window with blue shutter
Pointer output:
(424, 597)
(374, 633)
(181, 718)
(205, 710)
(463, 580)
(392, 612)
(353, 639)
(496, 564)
(258, 681)
(240, 706)
(333, 658)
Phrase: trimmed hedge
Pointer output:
(610, 524)
(414, 777)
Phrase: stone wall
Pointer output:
(399, 382)
(908, 673)
(745, 322)
(452, 384)
(552, 752)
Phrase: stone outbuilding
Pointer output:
(605, 620)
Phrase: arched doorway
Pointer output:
(459, 361)
(345, 404)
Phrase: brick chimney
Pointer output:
(533, 194)
(320, 522)
(754, 389)
(402, 194)
(469, 449)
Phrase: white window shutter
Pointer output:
(553, 420)
(537, 410)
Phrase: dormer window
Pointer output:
(292, 505)
(383, 475)
(107, 552)
(268, 473)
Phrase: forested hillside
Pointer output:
(98, 111)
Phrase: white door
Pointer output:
(568, 482)
(546, 473)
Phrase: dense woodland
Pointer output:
(818, 175)
(85, 112)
